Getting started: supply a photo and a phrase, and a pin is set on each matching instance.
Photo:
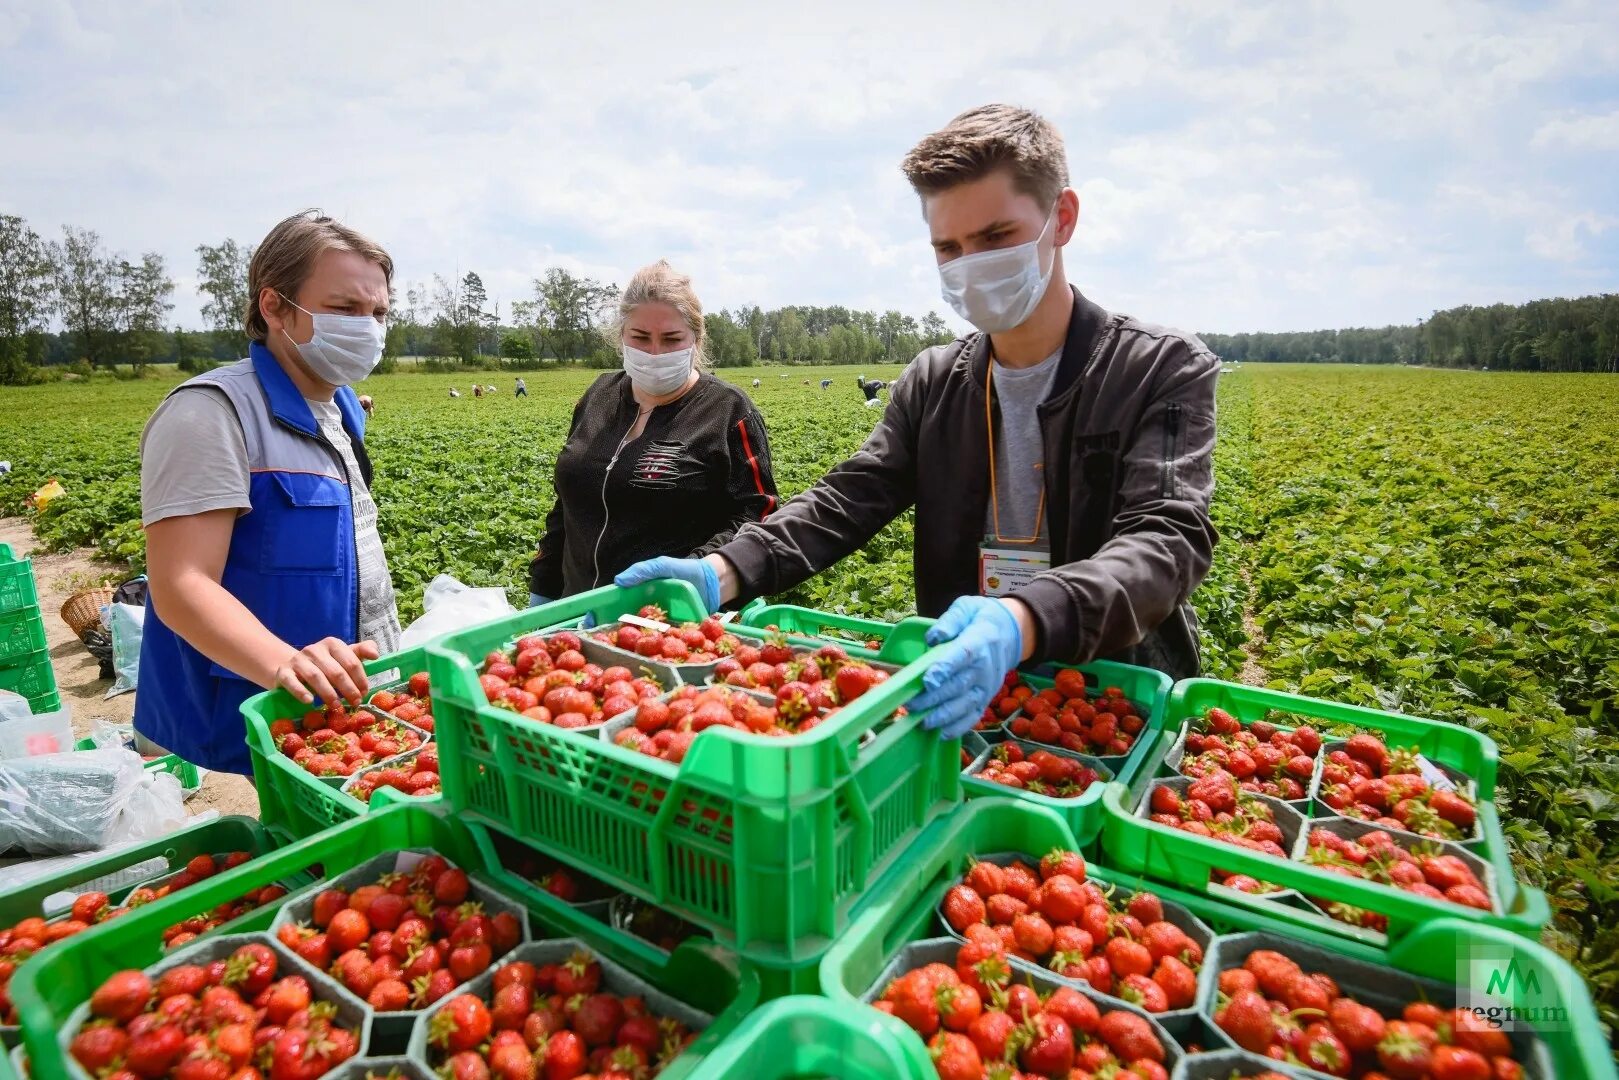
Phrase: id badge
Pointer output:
(1004, 570)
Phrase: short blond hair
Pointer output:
(987, 138)
(660, 283)
(286, 258)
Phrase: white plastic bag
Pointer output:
(128, 622)
(33, 734)
(449, 605)
(83, 801)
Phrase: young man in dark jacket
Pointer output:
(1060, 459)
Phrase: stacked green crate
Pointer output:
(25, 664)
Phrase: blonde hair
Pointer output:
(987, 138)
(660, 283)
(286, 258)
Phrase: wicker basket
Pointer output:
(83, 609)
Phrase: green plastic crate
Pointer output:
(32, 677)
(937, 860)
(183, 770)
(17, 591)
(851, 633)
(769, 843)
(50, 986)
(802, 1037)
(1146, 688)
(1459, 747)
(1083, 815)
(1162, 853)
(22, 633)
(292, 802)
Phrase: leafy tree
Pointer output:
(142, 304)
(567, 315)
(516, 346)
(86, 291)
(457, 320)
(26, 288)
(934, 330)
(222, 277)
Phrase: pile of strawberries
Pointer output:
(1271, 1006)
(201, 868)
(405, 941)
(1243, 883)
(979, 1024)
(1064, 716)
(212, 1022)
(688, 643)
(1365, 779)
(1041, 772)
(1058, 919)
(413, 703)
(29, 936)
(830, 677)
(553, 1021)
(1376, 856)
(666, 728)
(413, 776)
(1264, 759)
(1214, 806)
(548, 680)
(338, 741)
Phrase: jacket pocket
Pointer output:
(305, 534)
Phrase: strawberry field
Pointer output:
(1439, 543)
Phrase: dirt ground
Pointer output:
(78, 675)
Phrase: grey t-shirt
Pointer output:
(177, 480)
(1019, 454)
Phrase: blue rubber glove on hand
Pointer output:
(984, 644)
(695, 572)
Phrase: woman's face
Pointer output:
(656, 328)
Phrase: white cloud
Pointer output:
(1590, 132)
(1257, 166)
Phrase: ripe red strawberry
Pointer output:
(1050, 1047)
(1369, 749)
(1455, 809)
(1361, 1027)
(986, 878)
(1247, 1019)
(1058, 861)
(963, 907)
(959, 1005)
(990, 1033)
(1130, 1037)
(1178, 981)
(123, 996)
(955, 1057)
(1146, 907)
(1406, 1050)
(598, 1019)
(1128, 957)
(461, 1024)
(854, 680)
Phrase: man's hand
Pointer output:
(699, 573)
(986, 640)
(334, 670)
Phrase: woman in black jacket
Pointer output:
(662, 458)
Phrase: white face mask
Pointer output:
(345, 348)
(998, 290)
(657, 374)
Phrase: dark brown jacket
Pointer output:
(1129, 442)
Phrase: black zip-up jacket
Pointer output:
(700, 470)
(1128, 429)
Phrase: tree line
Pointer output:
(1543, 335)
(112, 309)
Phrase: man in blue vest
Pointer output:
(265, 562)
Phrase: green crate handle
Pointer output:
(800, 1035)
(1129, 842)
(1459, 747)
(792, 619)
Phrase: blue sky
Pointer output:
(1242, 166)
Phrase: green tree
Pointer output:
(143, 304)
(222, 277)
(455, 329)
(86, 291)
(516, 346)
(27, 282)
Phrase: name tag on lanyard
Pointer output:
(1004, 570)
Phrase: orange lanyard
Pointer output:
(994, 496)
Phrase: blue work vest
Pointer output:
(292, 562)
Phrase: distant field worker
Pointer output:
(870, 387)
(825, 383)
(522, 388)
(367, 404)
(661, 459)
(454, 392)
(477, 390)
(262, 547)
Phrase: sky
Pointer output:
(1241, 166)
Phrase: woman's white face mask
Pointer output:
(657, 374)
(998, 290)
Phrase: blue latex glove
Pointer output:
(694, 572)
(536, 600)
(984, 644)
